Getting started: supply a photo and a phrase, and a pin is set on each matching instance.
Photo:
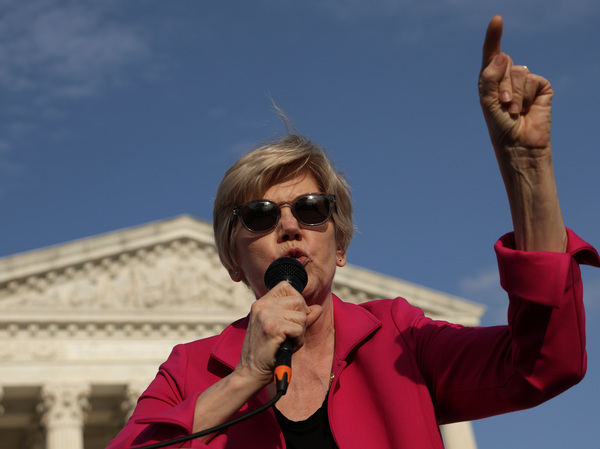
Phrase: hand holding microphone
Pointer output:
(290, 270)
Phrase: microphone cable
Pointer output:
(218, 428)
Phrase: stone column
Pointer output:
(133, 391)
(458, 436)
(63, 408)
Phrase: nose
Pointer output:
(288, 226)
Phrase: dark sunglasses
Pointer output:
(310, 209)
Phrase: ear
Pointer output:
(340, 258)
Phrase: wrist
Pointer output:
(532, 194)
(246, 379)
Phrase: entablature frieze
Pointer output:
(182, 274)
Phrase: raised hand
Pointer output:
(516, 103)
(517, 109)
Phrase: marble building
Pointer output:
(84, 326)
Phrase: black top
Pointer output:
(312, 433)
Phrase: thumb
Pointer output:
(312, 314)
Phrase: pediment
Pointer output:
(165, 266)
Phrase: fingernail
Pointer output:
(514, 108)
(499, 59)
(505, 96)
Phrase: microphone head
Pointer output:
(286, 269)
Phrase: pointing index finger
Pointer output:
(491, 45)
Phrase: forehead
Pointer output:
(291, 187)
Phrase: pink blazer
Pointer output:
(398, 374)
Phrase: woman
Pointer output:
(379, 374)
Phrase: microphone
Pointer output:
(285, 269)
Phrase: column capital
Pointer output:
(64, 404)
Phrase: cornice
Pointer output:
(364, 285)
(85, 250)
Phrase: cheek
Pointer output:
(325, 269)
(253, 258)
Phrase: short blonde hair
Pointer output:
(270, 163)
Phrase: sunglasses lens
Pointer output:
(259, 216)
(312, 209)
(262, 215)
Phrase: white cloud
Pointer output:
(484, 287)
(591, 289)
(52, 51)
(63, 50)
(483, 281)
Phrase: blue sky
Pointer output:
(118, 113)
